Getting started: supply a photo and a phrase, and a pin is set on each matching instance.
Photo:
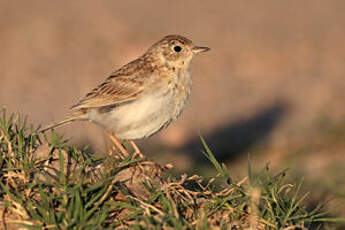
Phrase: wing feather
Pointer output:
(124, 85)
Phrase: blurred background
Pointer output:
(272, 86)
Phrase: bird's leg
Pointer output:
(136, 149)
(118, 144)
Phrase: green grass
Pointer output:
(47, 184)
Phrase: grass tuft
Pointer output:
(47, 184)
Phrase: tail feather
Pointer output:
(54, 125)
(74, 117)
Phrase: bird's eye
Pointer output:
(177, 49)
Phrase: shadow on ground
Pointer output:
(234, 139)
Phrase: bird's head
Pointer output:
(176, 50)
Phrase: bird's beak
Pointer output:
(198, 49)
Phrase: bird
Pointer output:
(142, 97)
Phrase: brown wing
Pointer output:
(125, 85)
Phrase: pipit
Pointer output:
(143, 96)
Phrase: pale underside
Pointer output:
(146, 115)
